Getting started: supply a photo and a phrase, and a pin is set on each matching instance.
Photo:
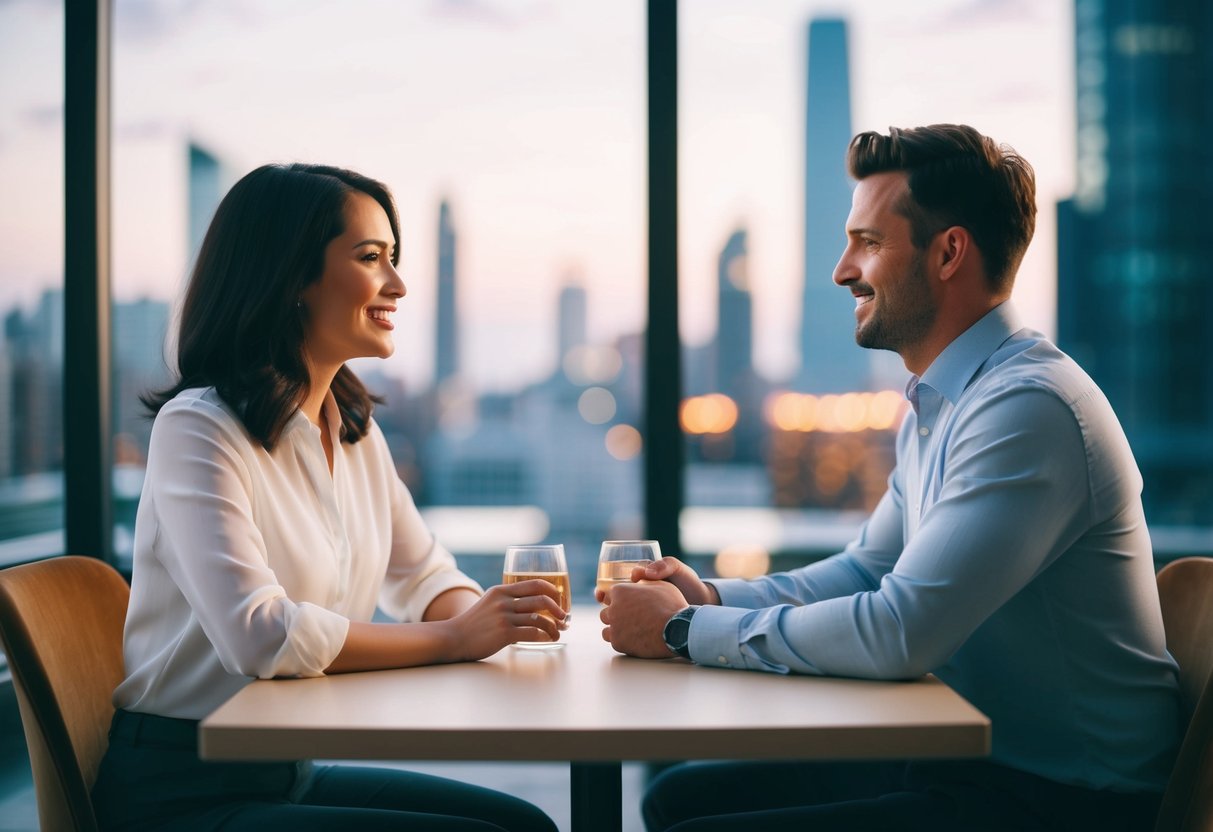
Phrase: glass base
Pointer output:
(538, 645)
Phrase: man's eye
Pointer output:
(870, 243)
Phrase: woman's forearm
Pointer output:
(450, 604)
(370, 646)
(479, 626)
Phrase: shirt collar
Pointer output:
(330, 415)
(953, 369)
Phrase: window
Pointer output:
(31, 281)
(789, 425)
(512, 135)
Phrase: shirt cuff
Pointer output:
(431, 587)
(737, 592)
(715, 637)
(314, 637)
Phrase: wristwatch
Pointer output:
(677, 632)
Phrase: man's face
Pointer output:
(894, 306)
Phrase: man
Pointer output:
(1009, 556)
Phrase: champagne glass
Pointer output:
(617, 558)
(522, 563)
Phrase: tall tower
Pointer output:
(203, 194)
(734, 325)
(830, 360)
(1134, 295)
(571, 320)
(446, 355)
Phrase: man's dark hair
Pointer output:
(957, 176)
(241, 328)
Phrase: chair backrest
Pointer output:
(1185, 589)
(61, 624)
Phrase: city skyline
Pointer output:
(556, 182)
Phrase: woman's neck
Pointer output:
(312, 405)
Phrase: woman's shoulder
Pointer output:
(199, 410)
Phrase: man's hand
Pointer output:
(635, 616)
(680, 575)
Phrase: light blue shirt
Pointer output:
(1009, 557)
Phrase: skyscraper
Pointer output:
(734, 323)
(1134, 295)
(571, 320)
(205, 189)
(139, 367)
(446, 355)
(830, 360)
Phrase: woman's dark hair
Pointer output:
(241, 326)
(957, 176)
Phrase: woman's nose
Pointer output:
(396, 287)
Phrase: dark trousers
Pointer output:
(862, 796)
(151, 778)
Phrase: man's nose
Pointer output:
(844, 272)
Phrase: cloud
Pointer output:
(42, 116)
(499, 15)
(141, 130)
(45, 5)
(1018, 94)
(986, 12)
(970, 14)
(151, 20)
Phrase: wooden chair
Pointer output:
(61, 625)
(1185, 588)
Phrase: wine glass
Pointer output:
(522, 563)
(617, 558)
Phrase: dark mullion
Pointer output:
(86, 278)
(663, 448)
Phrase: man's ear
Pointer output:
(954, 249)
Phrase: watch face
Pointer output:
(677, 632)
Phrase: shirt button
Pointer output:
(722, 660)
(924, 431)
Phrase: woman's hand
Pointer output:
(525, 611)
(680, 575)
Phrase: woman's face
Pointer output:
(349, 309)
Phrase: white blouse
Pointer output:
(251, 564)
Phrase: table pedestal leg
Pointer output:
(597, 796)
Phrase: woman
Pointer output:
(272, 522)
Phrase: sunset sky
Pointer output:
(529, 115)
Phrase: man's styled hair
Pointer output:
(242, 327)
(957, 176)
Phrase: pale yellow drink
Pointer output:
(611, 572)
(560, 580)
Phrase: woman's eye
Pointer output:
(371, 257)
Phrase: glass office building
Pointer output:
(1134, 289)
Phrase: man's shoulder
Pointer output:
(1029, 361)
(1026, 380)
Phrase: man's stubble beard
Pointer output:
(904, 316)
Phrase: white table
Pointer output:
(590, 706)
